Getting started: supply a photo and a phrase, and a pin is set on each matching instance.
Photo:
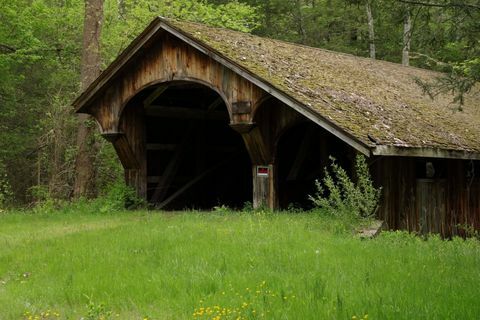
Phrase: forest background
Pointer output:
(41, 63)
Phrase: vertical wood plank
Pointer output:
(264, 188)
(132, 124)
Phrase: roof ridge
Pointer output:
(366, 59)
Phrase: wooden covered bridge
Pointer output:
(202, 116)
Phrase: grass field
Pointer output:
(224, 266)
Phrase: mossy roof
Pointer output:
(378, 103)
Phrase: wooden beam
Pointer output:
(191, 183)
(161, 147)
(184, 113)
(154, 179)
(122, 147)
(243, 128)
(219, 101)
(171, 147)
(171, 169)
(157, 179)
(241, 107)
(301, 155)
(425, 152)
(254, 143)
(154, 95)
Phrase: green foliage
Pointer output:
(123, 24)
(109, 169)
(117, 197)
(120, 197)
(97, 311)
(338, 195)
(39, 59)
(469, 230)
(6, 193)
(460, 80)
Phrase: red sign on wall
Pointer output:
(262, 171)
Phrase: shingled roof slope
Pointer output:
(377, 102)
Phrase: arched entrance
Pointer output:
(302, 153)
(194, 159)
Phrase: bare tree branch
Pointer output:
(6, 48)
(441, 5)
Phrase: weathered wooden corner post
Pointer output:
(263, 168)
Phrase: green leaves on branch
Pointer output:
(123, 23)
(459, 81)
(338, 195)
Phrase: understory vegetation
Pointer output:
(340, 195)
(80, 264)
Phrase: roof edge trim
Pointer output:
(424, 152)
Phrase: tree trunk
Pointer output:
(84, 166)
(300, 22)
(407, 37)
(122, 9)
(371, 30)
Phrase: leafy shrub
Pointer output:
(6, 193)
(262, 210)
(247, 206)
(338, 195)
(119, 197)
(97, 311)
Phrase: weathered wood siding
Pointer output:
(166, 59)
(132, 125)
(431, 205)
(448, 205)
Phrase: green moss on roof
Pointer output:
(366, 98)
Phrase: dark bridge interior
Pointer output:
(302, 154)
(194, 158)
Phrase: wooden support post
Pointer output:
(124, 151)
(184, 113)
(135, 178)
(130, 145)
(263, 168)
(264, 188)
(134, 171)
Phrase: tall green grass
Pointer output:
(197, 265)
